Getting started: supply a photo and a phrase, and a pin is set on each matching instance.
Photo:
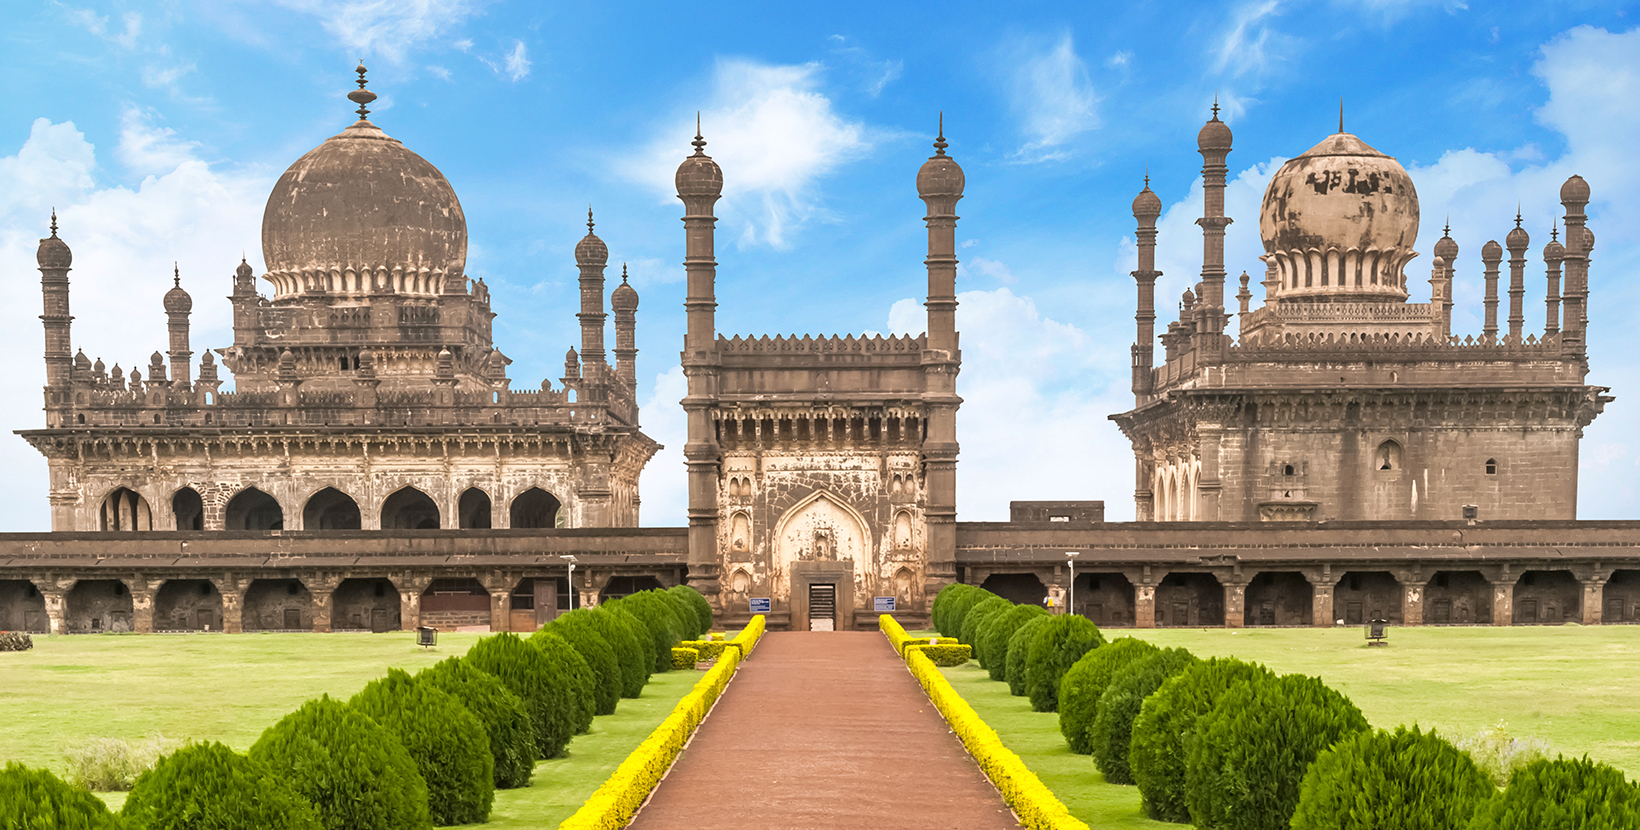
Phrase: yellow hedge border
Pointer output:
(900, 639)
(1036, 805)
(618, 799)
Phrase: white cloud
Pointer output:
(389, 28)
(165, 77)
(774, 133)
(1179, 240)
(1055, 99)
(98, 25)
(1247, 47)
(987, 268)
(518, 62)
(124, 241)
(665, 484)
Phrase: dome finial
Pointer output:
(176, 275)
(589, 218)
(623, 273)
(1447, 231)
(361, 96)
(1215, 105)
(939, 142)
(1341, 114)
(699, 143)
(1517, 214)
(1554, 231)
(1147, 177)
(53, 223)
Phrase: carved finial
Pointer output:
(1554, 231)
(1447, 231)
(53, 223)
(1215, 105)
(1341, 113)
(361, 96)
(699, 143)
(623, 273)
(589, 219)
(176, 274)
(939, 142)
(1147, 177)
(1517, 214)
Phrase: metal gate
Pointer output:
(822, 607)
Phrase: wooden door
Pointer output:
(546, 601)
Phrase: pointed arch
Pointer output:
(410, 509)
(252, 509)
(124, 509)
(536, 508)
(188, 509)
(331, 509)
(475, 511)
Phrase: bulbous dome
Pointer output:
(177, 301)
(1215, 135)
(1491, 251)
(624, 297)
(1575, 190)
(1147, 203)
(1554, 250)
(363, 202)
(54, 252)
(591, 250)
(1341, 220)
(1446, 248)
(698, 175)
(1518, 238)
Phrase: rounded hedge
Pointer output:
(544, 687)
(582, 679)
(449, 744)
(1250, 752)
(942, 605)
(688, 622)
(34, 798)
(1080, 688)
(1055, 647)
(631, 642)
(1166, 724)
(1563, 793)
(977, 616)
(656, 616)
(960, 605)
(582, 636)
(502, 712)
(996, 633)
(350, 768)
(211, 787)
(1111, 732)
(1408, 780)
(1019, 649)
(697, 601)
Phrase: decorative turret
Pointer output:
(624, 301)
(1491, 255)
(156, 370)
(572, 364)
(1446, 250)
(1517, 240)
(590, 256)
(1147, 207)
(55, 261)
(700, 183)
(1214, 143)
(940, 183)
(1552, 254)
(177, 306)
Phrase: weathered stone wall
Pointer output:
(22, 607)
(278, 605)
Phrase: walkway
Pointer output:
(824, 730)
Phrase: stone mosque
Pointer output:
(372, 468)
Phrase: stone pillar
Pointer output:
(1321, 601)
(1208, 487)
(940, 184)
(1412, 600)
(233, 603)
(500, 587)
(700, 185)
(1144, 606)
(410, 589)
(1503, 600)
(1235, 601)
(142, 604)
(323, 606)
(55, 598)
(1593, 591)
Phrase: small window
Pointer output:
(1491, 466)
(1388, 456)
(1059, 518)
(1288, 470)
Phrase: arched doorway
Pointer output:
(1189, 599)
(22, 607)
(409, 509)
(474, 510)
(536, 508)
(368, 604)
(330, 509)
(1364, 596)
(252, 509)
(1458, 598)
(1548, 598)
(278, 605)
(1105, 598)
(125, 510)
(189, 509)
(1019, 589)
(188, 605)
(96, 605)
(1278, 598)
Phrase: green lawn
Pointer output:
(230, 688)
(1572, 686)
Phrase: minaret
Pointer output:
(939, 184)
(177, 307)
(624, 300)
(55, 260)
(1517, 241)
(245, 304)
(1446, 250)
(700, 185)
(1574, 196)
(1147, 207)
(1491, 255)
(1213, 142)
(1552, 254)
(591, 255)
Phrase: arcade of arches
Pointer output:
(329, 508)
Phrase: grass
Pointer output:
(1569, 685)
(231, 688)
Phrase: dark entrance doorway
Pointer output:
(822, 607)
(1019, 589)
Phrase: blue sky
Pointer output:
(157, 129)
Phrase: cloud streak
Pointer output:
(1055, 99)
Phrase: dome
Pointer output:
(1575, 191)
(698, 175)
(54, 252)
(363, 203)
(591, 250)
(1554, 250)
(1446, 248)
(1215, 134)
(1147, 203)
(177, 301)
(1518, 238)
(1340, 220)
(624, 297)
(244, 270)
(1491, 251)
(940, 177)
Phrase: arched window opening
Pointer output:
(474, 510)
(903, 579)
(1491, 466)
(536, 508)
(1288, 470)
(740, 582)
(902, 531)
(189, 509)
(409, 509)
(1388, 456)
(740, 533)
(331, 509)
(125, 510)
(252, 509)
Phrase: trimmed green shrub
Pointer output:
(1055, 647)
(630, 639)
(709, 649)
(1166, 725)
(688, 623)
(944, 654)
(1569, 793)
(582, 679)
(1019, 649)
(960, 605)
(684, 659)
(211, 787)
(15, 641)
(996, 633)
(449, 744)
(37, 800)
(977, 615)
(506, 720)
(583, 636)
(697, 601)
(1249, 753)
(1408, 780)
(1112, 729)
(656, 616)
(942, 605)
(543, 686)
(1080, 688)
(350, 768)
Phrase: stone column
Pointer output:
(55, 598)
(500, 587)
(1144, 606)
(142, 604)
(1235, 601)
(410, 589)
(1503, 600)
(1593, 591)
(233, 603)
(323, 606)
(1412, 601)
(1321, 601)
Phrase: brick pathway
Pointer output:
(824, 730)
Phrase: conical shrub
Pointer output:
(448, 743)
(976, 617)
(1406, 779)
(34, 798)
(350, 768)
(1111, 732)
(1570, 793)
(502, 712)
(1167, 724)
(662, 624)
(580, 633)
(211, 787)
(583, 681)
(545, 688)
(696, 600)
(631, 641)
(1080, 688)
(1019, 650)
(1055, 647)
(997, 633)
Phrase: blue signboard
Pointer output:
(761, 605)
(883, 605)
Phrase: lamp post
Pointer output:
(1070, 557)
(570, 558)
